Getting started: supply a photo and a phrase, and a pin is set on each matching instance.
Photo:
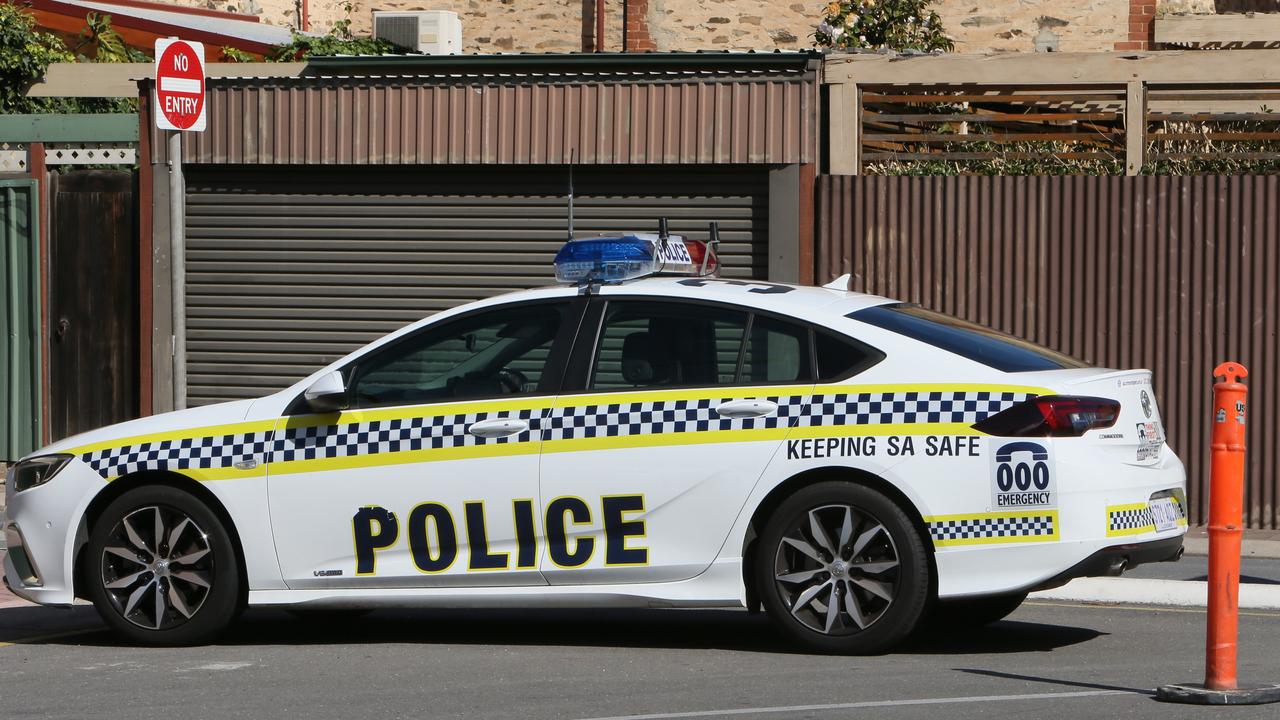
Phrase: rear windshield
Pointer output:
(966, 339)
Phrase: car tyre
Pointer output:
(878, 576)
(162, 569)
(971, 613)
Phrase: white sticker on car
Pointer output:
(1150, 438)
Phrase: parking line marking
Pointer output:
(871, 704)
(50, 636)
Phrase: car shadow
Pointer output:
(730, 630)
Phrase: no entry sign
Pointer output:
(179, 85)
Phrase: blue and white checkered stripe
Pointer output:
(306, 443)
(567, 423)
(392, 436)
(908, 407)
(203, 453)
(957, 530)
(670, 416)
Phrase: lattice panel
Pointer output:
(90, 154)
(13, 157)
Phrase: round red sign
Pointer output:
(180, 85)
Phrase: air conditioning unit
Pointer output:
(434, 32)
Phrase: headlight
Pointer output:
(37, 471)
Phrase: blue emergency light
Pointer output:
(615, 259)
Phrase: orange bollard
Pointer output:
(1226, 517)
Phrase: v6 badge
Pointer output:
(1022, 476)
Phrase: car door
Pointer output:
(672, 410)
(430, 477)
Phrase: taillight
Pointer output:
(1052, 416)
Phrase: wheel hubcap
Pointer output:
(837, 570)
(157, 567)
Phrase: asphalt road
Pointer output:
(1065, 661)
(1264, 571)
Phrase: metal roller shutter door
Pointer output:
(289, 269)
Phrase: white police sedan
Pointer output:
(847, 462)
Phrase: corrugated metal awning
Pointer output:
(686, 108)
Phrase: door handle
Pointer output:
(499, 428)
(744, 409)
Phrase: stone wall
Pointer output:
(566, 25)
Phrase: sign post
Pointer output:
(179, 107)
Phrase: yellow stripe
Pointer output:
(823, 431)
(415, 411)
(665, 439)
(623, 398)
(208, 431)
(931, 387)
(641, 396)
(404, 458)
(993, 516)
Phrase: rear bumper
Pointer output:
(1115, 560)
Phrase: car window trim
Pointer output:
(561, 345)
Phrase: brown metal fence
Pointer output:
(1174, 274)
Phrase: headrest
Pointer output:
(643, 362)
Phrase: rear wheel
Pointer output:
(842, 569)
(162, 569)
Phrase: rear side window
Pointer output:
(969, 340)
(840, 357)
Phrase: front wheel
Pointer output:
(841, 569)
(162, 569)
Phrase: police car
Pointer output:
(644, 434)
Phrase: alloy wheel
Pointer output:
(837, 569)
(157, 567)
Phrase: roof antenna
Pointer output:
(571, 152)
(662, 231)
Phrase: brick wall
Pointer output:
(568, 25)
(1142, 15)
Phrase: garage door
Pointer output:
(289, 269)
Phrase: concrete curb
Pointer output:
(1249, 548)
(1137, 591)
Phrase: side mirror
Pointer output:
(328, 393)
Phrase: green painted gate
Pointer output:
(19, 319)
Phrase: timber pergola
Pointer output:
(1102, 101)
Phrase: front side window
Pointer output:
(657, 344)
(969, 340)
(492, 354)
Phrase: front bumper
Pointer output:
(45, 522)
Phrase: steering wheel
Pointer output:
(513, 381)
